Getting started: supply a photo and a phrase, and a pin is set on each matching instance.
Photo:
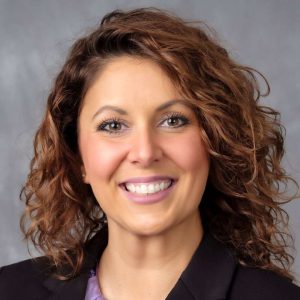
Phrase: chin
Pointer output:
(146, 227)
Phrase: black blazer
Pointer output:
(212, 274)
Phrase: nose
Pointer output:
(145, 148)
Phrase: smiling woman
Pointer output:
(156, 173)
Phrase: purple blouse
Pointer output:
(93, 289)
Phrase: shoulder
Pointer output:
(253, 283)
(27, 275)
(29, 268)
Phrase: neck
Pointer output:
(133, 262)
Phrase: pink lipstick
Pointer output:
(147, 190)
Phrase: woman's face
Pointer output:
(141, 148)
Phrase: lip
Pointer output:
(147, 179)
(148, 198)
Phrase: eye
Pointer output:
(174, 120)
(112, 126)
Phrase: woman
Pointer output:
(156, 173)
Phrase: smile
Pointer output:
(148, 188)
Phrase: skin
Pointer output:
(144, 239)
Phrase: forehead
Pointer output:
(125, 80)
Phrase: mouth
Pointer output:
(146, 191)
(147, 188)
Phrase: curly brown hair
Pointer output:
(241, 206)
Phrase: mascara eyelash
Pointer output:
(101, 125)
(177, 115)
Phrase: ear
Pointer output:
(84, 175)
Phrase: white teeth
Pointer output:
(143, 189)
(151, 188)
(131, 187)
(148, 188)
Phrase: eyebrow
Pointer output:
(159, 108)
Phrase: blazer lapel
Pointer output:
(208, 275)
(75, 288)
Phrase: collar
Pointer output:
(207, 277)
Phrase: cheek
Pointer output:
(101, 159)
(189, 152)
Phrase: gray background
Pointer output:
(35, 36)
